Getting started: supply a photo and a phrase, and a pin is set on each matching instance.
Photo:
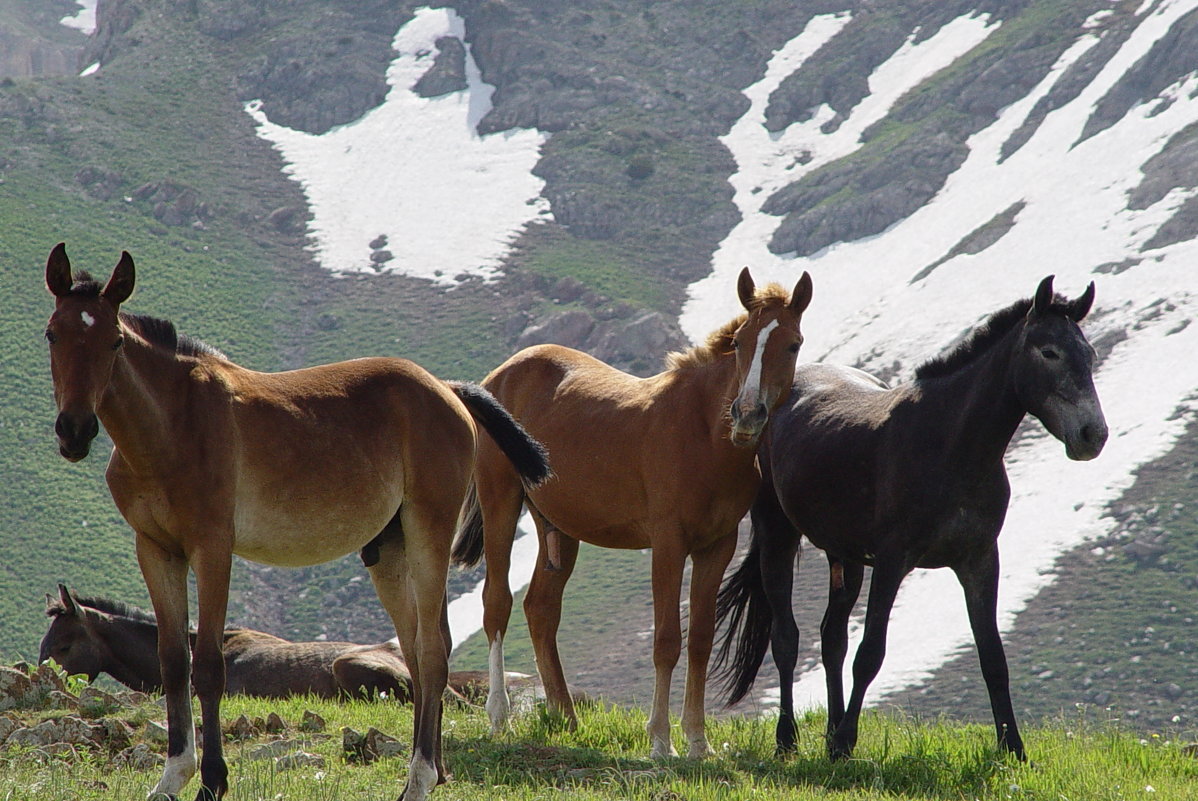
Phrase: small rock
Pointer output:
(272, 749)
(241, 729)
(15, 687)
(156, 733)
(139, 757)
(312, 722)
(95, 703)
(274, 724)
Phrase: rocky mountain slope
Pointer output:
(155, 153)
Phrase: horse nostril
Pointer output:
(62, 426)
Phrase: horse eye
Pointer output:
(119, 341)
(794, 347)
(1049, 353)
(735, 345)
(50, 337)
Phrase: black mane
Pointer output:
(108, 606)
(162, 332)
(984, 337)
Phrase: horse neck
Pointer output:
(139, 408)
(710, 388)
(977, 407)
(132, 653)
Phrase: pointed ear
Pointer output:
(58, 271)
(800, 298)
(745, 288)
(120, 283)
(1079, 308)
(49, 603)
(68, 602)
(1043, 299)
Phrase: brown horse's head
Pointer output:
(68, 640)
(1053, 372)
(767, 344)
(84, 335)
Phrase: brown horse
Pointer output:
(666, 462)
(90, 636)
(293, 468)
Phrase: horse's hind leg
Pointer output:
(410, 581)
(979, 579)
(543, 611)
(708, 567)
(166, 579)
(501, 498)
(844, 585)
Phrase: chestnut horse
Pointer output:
(293, 468)
(898, 479)
(667, 462)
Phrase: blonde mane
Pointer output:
(719, 342)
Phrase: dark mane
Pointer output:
(719, 341)
(106, 605)
(162, 332)
(984, 337)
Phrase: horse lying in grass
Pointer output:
(91, 636)
(898, 479)
(294, 468)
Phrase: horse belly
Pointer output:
(302, 534)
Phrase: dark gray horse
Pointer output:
(898, 479)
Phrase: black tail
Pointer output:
(468, 548)
(527, 455)
(742, 603)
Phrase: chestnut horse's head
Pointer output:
(767, 345)
(84, 333)
(1053, 371)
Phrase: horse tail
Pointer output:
(742, 603)
(468, 548)
(529, 456)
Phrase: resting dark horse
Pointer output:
(898, 479)
(97, 635)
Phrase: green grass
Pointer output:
(898, 757)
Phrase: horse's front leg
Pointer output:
(668, 560)
(708, 567)
(844, 586)
(165, 574)
(211, 566)
(778, 542)
(979, 579)
(888, 574)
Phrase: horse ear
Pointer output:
(68, 603)
(800, 298)
(745, 289)
(1079, 308)
(58, 271)
(1043, 299)
(120, 283)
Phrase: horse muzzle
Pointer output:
(748, 425)
(1087, 442)
(75, 435)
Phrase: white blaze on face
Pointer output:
(88, 320)
(751, 391)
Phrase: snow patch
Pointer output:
(84, 20)
(415, 170)
(867, 311)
